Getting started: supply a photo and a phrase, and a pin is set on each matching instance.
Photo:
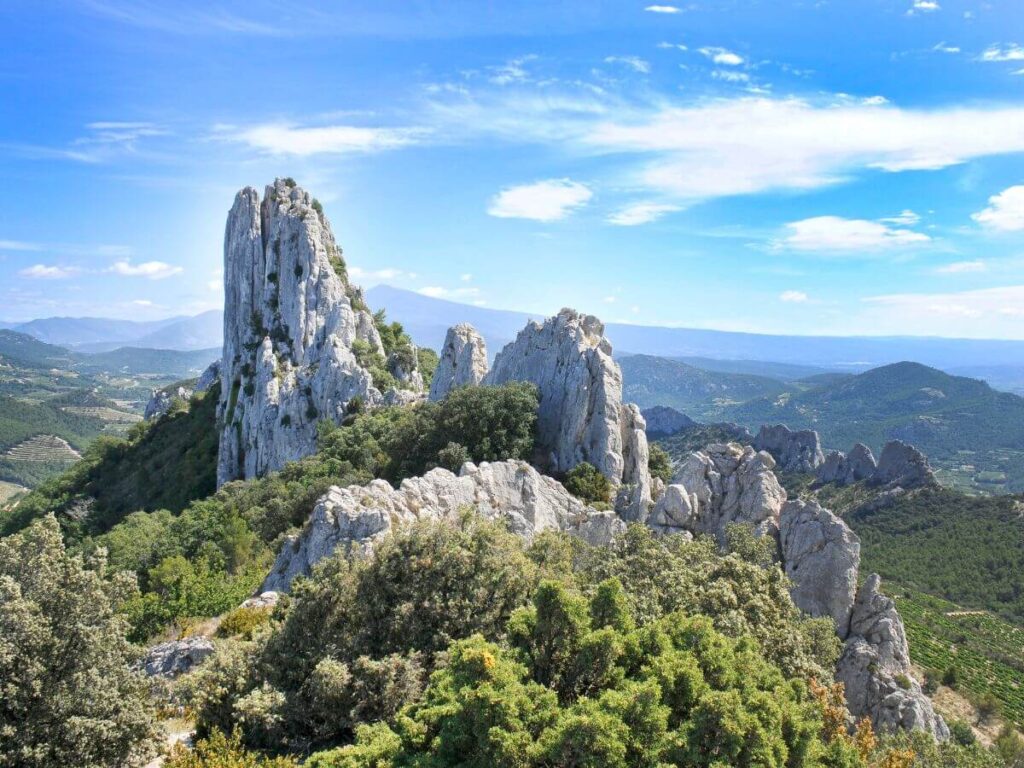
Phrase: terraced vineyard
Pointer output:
(105, 414)
(987, 652)
(42, 448)
(9, 491)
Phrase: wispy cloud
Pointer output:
(983, 313)
(1011, 52)
(152, 270)
(943, 47)
(440, 292)
(793, 297)
(379, 275)
(48, 272)
(722, 56)
(641, 213)
(1005, 212)
(181, 20)
(906, 218)
(548, 200)
(833, 234)
(512, 71)
(962, 267)
(663, 9)
(292, 139)
(632, 62)
(923, 6)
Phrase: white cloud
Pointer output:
(640, 213)
(983, 313)
(466, 277)
(19, 245)
(609, 299)
(633, 62)
(944, 48)
(793, 297)
(662, 9)
(1005, 212)
(152, 270)
(548, 200)
(962, 267)
(731, 77)
(722, 56)
(377, 275)
(48, 272)
(290, 139)
(511, 71)
(906, 217)
(836, 234)
(1011, 52)
(142, 303)
(678, 46)
(440, 292)
(874, 101)
(754, 144)
(925, 6)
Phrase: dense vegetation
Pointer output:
(67, 694)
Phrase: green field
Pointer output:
(987, 651)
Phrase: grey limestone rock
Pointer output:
(290, 321)
(161, 400)
(352, 519)
(176, 657)
(663, 421)
(463, 361)
(793, 451)
(902, 465)
(845, 469)
(820, 555)
(729, 483)
(875, 668)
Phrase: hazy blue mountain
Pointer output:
(136, 360)
(74, 331)
(24, 350)
(201, 332)
(427, 319)
(773, 370)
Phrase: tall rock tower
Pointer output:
(291, 319)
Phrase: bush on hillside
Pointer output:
(586, 483)
(69, 695)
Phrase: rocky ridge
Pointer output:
(463, 361)
(353, 518)
(793, 450)
(663, 421)
(161, 399)
(292, 322)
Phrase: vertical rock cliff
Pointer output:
(291, 319)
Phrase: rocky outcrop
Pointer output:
(793, 451)
(581, 415)
(723, 484)
(845, 469)
(902, 465)
(290, 322)
(208, 376)
(663, 421)
(352, 519)
(176, 657)
(875, 668)
(161, 400)
(820, 555)
(463, 361)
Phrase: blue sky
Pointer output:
(797, 166)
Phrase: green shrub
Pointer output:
(220, 751)
(961, 733)
(243, 622)
(585, 482)
(659, 464)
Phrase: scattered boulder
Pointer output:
(352, 519)
(581, 415)
(176, 657)
(793, 450)
(820, 555)
(264, 600)
(726, 483)
(291, 320)
(902, 465)
(663, 421)
(846, 469)
(875, 668)
(463, 361)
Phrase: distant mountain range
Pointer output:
(97, 334)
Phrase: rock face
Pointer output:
(161, 399)
(353, 518)
(793, 451)
(846, 469)
(821, 555)
(208, 376)
(663, 421)
(902, 465)
(875, 668)
(176, 657)
(463, 361)
(581, 415)
(290, 321)
(725, 483)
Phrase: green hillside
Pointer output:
(971, 432)
(700, 394)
